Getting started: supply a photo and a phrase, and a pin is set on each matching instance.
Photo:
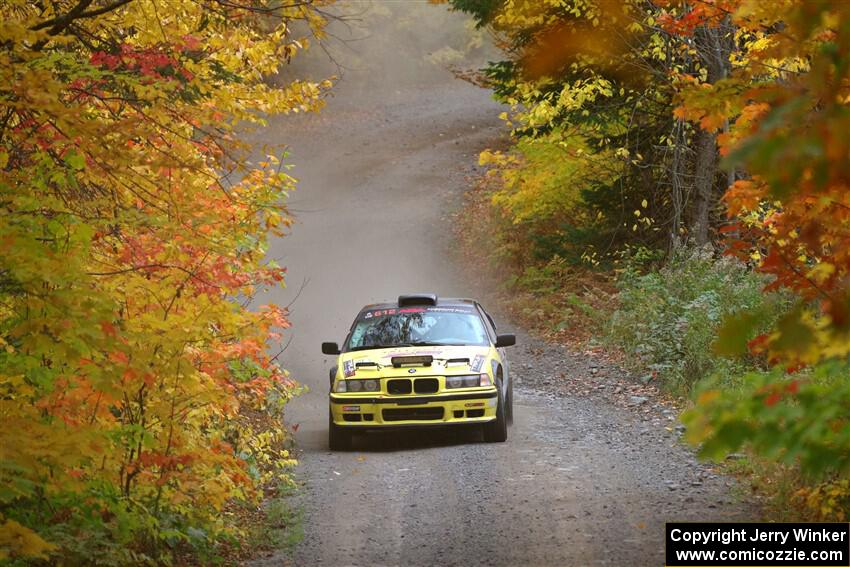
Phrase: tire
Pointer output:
(497, 430)
(509, 404)
(338, 438)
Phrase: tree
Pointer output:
(610, 102)
(786, 104)
(137, 396)
(750, 103)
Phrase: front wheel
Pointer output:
(338, 438)
(496, 431)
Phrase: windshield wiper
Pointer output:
(396, 345)
(374, 347)
(401, 345)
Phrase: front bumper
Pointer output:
(383, 411)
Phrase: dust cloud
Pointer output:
(374, 46)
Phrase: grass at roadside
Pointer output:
(789, 496)
(274, 527)
(270, 521)
(282, 526)
(667, 319)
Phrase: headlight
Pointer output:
(468, 381)
(358, 386)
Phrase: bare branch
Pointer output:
(58, 24)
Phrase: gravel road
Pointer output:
(589, 474)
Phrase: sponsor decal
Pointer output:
(414, 351)
(477, 362)
(408, 310)
(474, 405)
(451, 309)
(412, 310)
(348, 368)
(379, 313)
(350, 408)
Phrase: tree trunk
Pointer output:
(676, 170)
(705, 174)
(714, 46)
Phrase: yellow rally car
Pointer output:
(422, 361)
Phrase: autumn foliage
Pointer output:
(138, 398)
(788, 105)
(719, 123)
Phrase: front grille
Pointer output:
(475, 413)
(399, 386)
(426, 385)
(401, 414)
(351, 416)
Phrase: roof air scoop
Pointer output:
(417, 299)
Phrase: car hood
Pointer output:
(377, 363)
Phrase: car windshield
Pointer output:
(381, 328)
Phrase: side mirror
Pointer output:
(330, 348)
(505, 340)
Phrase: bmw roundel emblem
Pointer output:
(411, 371)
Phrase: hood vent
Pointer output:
(399, 361)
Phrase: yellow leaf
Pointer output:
(821, 272)
(17, 540)
(707, 397)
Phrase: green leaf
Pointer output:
(75, 160)
(795, 335)
(737, 329)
